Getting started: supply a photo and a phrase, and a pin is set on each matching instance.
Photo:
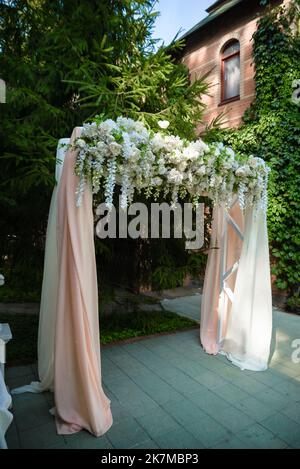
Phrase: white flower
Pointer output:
(163, 124)
(106, 127)
(182, 166)
(115, 148)
(200, 146)
(89, 130)
(2, 280)
(157, 181)
(174, 176)
(230, 152)
(243, 171)
(151, 162)
(190, 153)
(80, 143)
(162, 170)
(201, 171)
(240, 172)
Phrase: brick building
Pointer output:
(221, 44)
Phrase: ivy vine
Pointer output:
(271, 130)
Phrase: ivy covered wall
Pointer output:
(271, 130)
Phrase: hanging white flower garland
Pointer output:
(125, 152)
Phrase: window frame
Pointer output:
(223, 60)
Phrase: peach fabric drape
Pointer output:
(79, 397)
(213, 298)
(236, 315)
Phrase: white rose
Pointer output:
(80, 143)
(162, 170)
(175, 177)
(163, 124)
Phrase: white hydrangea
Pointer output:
(175, 177)
(124, 152)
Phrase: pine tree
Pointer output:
(64, 62)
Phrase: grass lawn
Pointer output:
(114, 328)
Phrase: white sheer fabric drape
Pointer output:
(249, 326)
(5, 415)
(47, 319)
(236, 314)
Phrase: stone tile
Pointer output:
(192, 368)
(209, 402)
(285, 428)
(157, 422)
(28, 402)
(17, 381)
(233, 419)
(290, 389)
(257, 436)
(254, 408)
(272, 399)
(49, 396)
(126, 434)
(125, 388)
(17, 371)
(41, 437)
(208, 431)
(12, 436)
(138, 409)
(86, 441)
(292, 410)
(285, 371)
(186, 385)
(159, 390)
(210, 379)
(231, 442)
(184, 412)
(148, 444)
(118, 411)
(231, 393)
(246, 383)
(33, 418)
(178, 439)
(269, 378)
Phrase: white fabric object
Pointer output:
(60, 156)
(248, 335)
(47, 319)
(5, 416)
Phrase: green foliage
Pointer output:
(114, 328)
(271, 130)
(64, 62)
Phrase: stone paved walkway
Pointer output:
(167, 393)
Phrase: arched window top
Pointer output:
(231, 47)
(230, 71)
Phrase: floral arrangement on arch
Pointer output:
(126, 153)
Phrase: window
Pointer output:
(230, 71)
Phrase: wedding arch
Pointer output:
(236, 310)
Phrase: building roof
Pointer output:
(215, 5)
(215, 13)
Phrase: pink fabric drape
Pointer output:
(212, 283)
(79, 397)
